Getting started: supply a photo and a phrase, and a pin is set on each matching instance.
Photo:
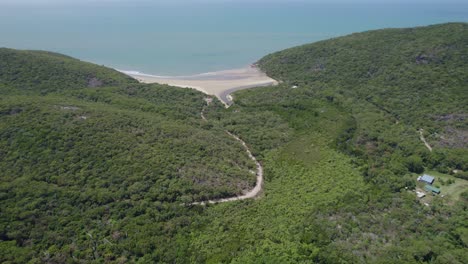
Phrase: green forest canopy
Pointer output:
(97, 168)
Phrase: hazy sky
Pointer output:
(55, 2)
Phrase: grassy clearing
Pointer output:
(450, 186)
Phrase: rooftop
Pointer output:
(426, 178)
(432, 189)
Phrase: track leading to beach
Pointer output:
(259, 173)
(226, 98)
(220, 84)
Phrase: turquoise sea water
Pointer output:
(194, 37)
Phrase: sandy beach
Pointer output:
(220, 84)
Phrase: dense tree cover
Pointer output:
(316, 208)
(44, 72)
(78, 161)
(105, 175)
(395, 81)
(317, 205)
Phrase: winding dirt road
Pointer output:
(259, 174)
(226, 97)
(421, 136)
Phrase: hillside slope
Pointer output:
(84, 149)
(108, 174)
(416, 78)
(340, 184)
(44, 72)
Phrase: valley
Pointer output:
(319, 168)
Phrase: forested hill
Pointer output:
(96, 168)
(340, 184)
(417, 77)
(417, 74)
(81, 143)
(44, 72)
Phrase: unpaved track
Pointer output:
(259, 174)
(226, 98)
(421, 136)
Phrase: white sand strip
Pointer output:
(219, 84)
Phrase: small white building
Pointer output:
(420, 194)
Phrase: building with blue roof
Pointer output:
(426, 178)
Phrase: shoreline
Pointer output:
(220, 83)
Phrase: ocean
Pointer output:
(189, 37)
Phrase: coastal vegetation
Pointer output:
(78, 159)
(109, 172)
